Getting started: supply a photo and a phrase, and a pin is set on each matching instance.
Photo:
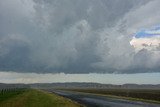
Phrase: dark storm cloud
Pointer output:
(73, 36)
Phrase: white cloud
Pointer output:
(151, 44)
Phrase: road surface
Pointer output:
(90, 100)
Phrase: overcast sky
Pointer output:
(80, 36)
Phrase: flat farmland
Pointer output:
(147, 95)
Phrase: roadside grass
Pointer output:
(37, 98)
(144, 95)
(9, 93)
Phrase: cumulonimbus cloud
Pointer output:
(79, 36)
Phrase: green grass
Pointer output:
(36, 98)
(9, 93)
(146, 95)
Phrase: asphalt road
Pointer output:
(90, 100)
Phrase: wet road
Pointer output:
(91, 100)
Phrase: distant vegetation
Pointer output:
(139, 94)
(33, 98)
(93, 85)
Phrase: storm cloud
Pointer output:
(76, 36)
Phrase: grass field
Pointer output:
(34, 98)
(147, 95)
(7, 94)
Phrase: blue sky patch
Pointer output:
(147, 33)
